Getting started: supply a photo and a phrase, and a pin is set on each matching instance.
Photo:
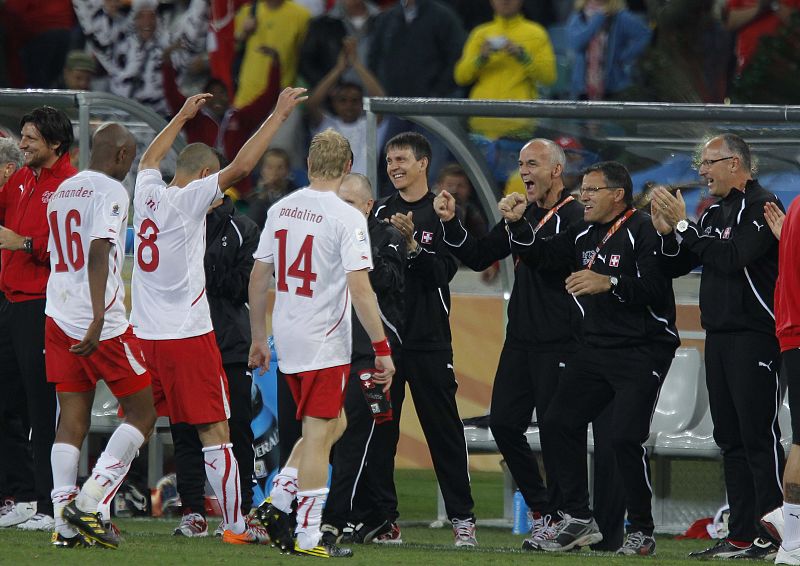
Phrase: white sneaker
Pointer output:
(39, 522)
(788, 556)
(19, 514)
(773, 522)
(464, 533)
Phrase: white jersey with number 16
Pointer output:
(89, 206)
(313, 238)
(169, 283)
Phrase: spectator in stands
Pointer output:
(753, 20)
(231, 239)
(326, 35)
(739, 256)
(362, 481)
(543, 12)
(219, 125)
(79, 70)
(274, 183)
(454, 180)
(415, 45)
(627, 341)
(130, 49)
(346, 102)
(46, 136)
(507, 58)
(606, 40)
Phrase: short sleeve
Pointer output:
(109, 211)
(195, 198)
(355, 248)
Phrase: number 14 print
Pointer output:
(300, 268)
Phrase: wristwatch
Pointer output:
(614, 281)
(27, 245)
(414, 253)
(682, 226)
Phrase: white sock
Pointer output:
(309, 517)
(284, 489)
(791, 526)
(64, 462)
(222, 471)
(111, 468)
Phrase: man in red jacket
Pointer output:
(24, 269)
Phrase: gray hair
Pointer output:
(10, 153)
(557, 155)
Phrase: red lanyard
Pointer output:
(616, 226)
(552, 211)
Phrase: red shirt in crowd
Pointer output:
(787, 288)
(748, 36)
(23, 209)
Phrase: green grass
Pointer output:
(150, 541)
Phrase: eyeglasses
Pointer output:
(709, 162)
(593, 190)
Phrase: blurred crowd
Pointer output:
(158, 52)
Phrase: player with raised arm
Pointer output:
(170, 310)
(318, 248)
(88, 338)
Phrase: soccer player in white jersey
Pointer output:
(318, 248)
(88, 338)
(170, 311)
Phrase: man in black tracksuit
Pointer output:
(362, 481)
(231, 240)
(427, 363)
(627, 342)
(541, 337)
(739, 255)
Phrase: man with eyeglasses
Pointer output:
(739, 255)
(628, 339)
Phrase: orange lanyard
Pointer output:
(616, 226)
(552, 211)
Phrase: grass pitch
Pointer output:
(150, 541)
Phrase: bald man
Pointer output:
(362, 485)
(170, 308)
(88, 337)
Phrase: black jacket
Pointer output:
(540, 312)
(387, 278)
(640, 312)
(231, 240)
(427, 276)
(417, 58)
(739, 255)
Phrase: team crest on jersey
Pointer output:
(587, 257)
(427, 237)
(115, 209)
(726, 233)
(360, 236)
(614, 261)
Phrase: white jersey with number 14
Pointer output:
(86, 207)
(313, 238)
(169, 282)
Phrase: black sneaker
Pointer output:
(723, 549)
(323, 550)
(330, 534)
(78, 541)
(347, 534)
(573, 533)
(364, 533)
(279, 525)
(761, 549)
(91, 525)
(638, 544)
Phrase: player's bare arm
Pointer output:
(254, 148)
(366, 305)
(97, 269)
(161, 144)
(260, 279)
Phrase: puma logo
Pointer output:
(758, 226)
(718, 231)
(601, 258)
(794, 515)
(766, 365)
(395, 246)
(449, 366)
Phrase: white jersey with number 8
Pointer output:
(86, 207)
(169, 283)
(313, 238)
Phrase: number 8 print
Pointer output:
(148, 234)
